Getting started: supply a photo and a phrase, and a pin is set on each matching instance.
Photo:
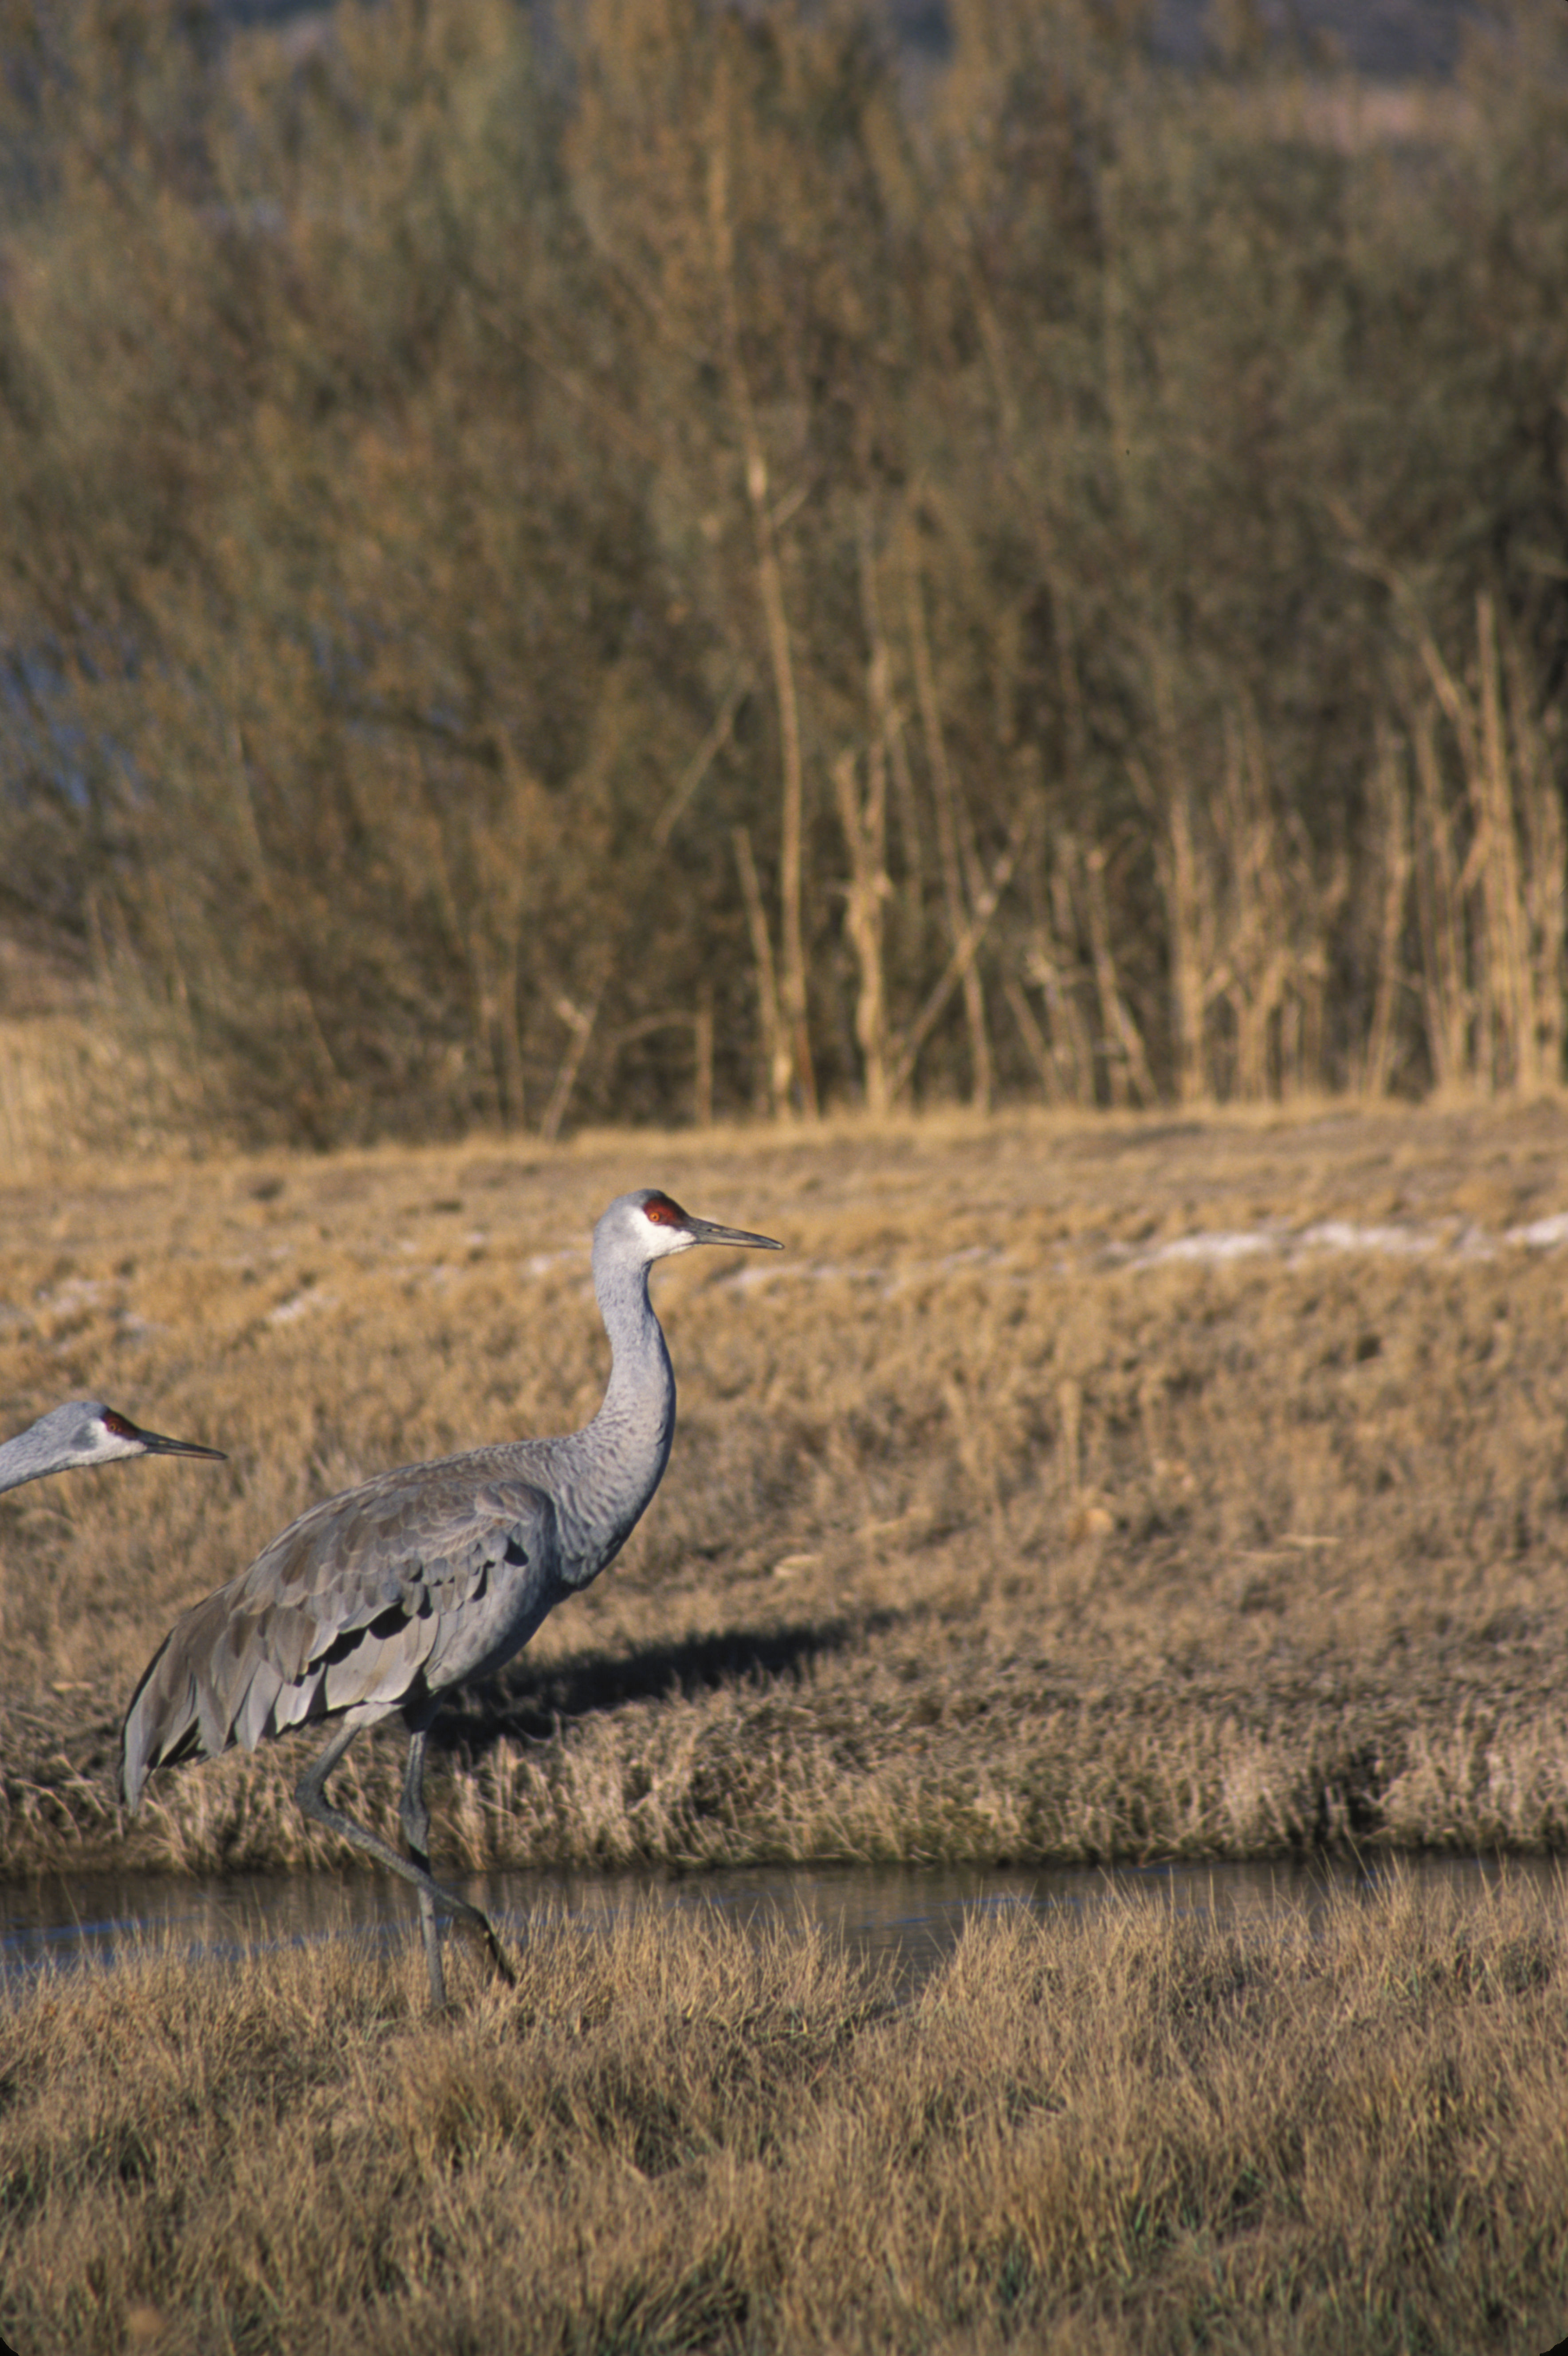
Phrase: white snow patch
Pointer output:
(1388, 1242)
(1222, 1245)
(298, 1305)
(540, 1263)
(1540, 1235)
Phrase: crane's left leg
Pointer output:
(416, 1833)
(310, 1793)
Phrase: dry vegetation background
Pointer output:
(1005, 1519)
(1129, 2133)
(701, 572)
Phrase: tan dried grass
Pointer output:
(1132, 2131)
(75, 1085)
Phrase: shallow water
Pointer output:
(910, 1916)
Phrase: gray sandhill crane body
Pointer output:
(375, 1603)
(84, 1432)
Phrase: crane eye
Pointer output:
(663, 1212)
(115, 1423)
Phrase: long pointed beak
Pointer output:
(156, 1444)
(703, 1231)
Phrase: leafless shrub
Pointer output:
(697, 577)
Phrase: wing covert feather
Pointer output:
(360, 1601)
(421, 1544)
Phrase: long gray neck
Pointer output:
(19, 1463)
(606, 1473)
(34, 1452)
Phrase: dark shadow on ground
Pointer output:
(532, 1703)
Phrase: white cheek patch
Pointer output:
(660, 1240)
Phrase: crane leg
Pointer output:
(310, 1793)
(416, 1833)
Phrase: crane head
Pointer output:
(649, 1225)
(87, 1432)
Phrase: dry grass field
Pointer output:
(1130, 2133)
(1100, 1488)
(1108, 1488)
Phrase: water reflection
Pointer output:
(909, 1916)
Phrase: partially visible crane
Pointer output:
(85, 1431)
(378, 1602)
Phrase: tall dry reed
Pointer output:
(698, 572)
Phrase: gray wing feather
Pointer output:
(250, 1719)
(364, 1601)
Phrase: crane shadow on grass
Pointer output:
(532, 1705)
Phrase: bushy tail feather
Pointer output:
(164, 1721)
(212, 1683)
(139, 1736)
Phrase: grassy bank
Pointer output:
(1070, 1489)
(1130, 2132)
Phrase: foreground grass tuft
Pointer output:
(1133, 2131)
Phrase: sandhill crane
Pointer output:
(84, 1431)
(377, 1602)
